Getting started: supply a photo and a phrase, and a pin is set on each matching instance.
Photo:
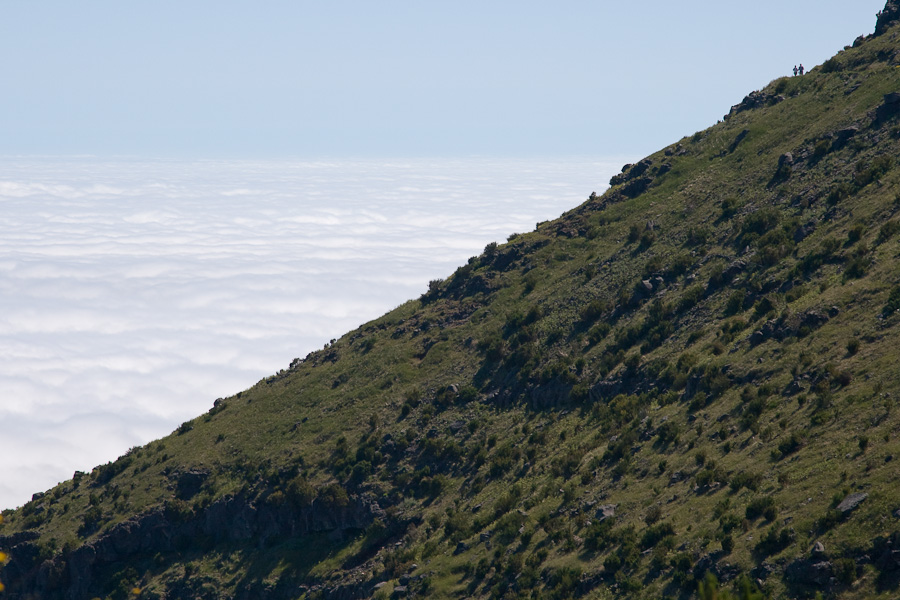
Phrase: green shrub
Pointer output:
(888, 230)
(759, 506)
(774, 541)
(655, 534)
(893, 303)
(744, 479)
(697, 236)
(855, 233)
(729, 207)
(761, 222)
(857, 267)
(845, 570)
(790, 444)
(735, 302)
(832, 65)
(300, 492)
(333, 496)
(863, 443)
(593, 310)
(634, 233)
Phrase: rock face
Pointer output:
(634, 178)
(71, 576)
(888, 16)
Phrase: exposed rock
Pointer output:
(754, 100)
(818, 550)
(232, 518)
(636, 187)
(460, 548)
(785, 159)
(763, 571)
(190, 482)
(887, 16)
(709, 563)
(732, 270)
(803, 232)
(604, 390)
(631, 172)
(889, 108)
(843, 136)
(632, 178)
(788, 326)
(793, 388)
(606, 511)
(850, 503)
(8, 541)
(813, 572)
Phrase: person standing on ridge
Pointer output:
(795, 70)
(801, 68)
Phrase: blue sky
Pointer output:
(393, 78)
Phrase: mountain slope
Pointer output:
(693, 373)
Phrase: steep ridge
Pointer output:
(687, 382)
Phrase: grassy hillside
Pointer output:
(688, 380)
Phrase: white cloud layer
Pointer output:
(136, 292)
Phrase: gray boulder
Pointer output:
(850, 503)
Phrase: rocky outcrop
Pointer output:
(850, 503)
(789, 326)
(813, 572)
(753, 100)
(633, 178)
(71, 576)
(842, 136)
(888, 16)
(889, 108)
(189, 482)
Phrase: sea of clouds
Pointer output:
(136, 292)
